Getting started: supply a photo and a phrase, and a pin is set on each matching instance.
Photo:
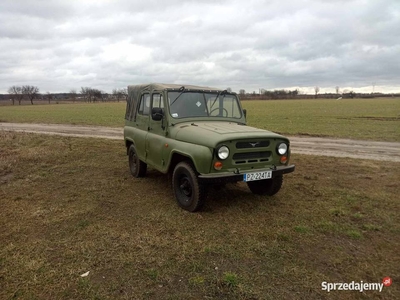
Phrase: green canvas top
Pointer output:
(135, 91)
(164, 86)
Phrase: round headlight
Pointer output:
(282, 148)
(223, 152)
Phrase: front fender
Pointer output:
(201, 156)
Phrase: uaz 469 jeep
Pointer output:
(199, 136)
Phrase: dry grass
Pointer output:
(69, 206)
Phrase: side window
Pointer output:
(144, 106)
(158, 101)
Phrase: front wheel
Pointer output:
(267, 187)
(189, 193)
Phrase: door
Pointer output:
(155, 139)
(142, 126)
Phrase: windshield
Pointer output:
(199, 104)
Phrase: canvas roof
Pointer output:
(164, 86)
(134, 92)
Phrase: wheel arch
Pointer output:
(176, 158)
(199, 156)
(128, 143)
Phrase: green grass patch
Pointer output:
(198, 280)
(365, 119)
(358, 215)
(338, 212)
(301, 229)
(355, 234)
(153, 274)
(89, 214)
(230, 279)
(372, 227)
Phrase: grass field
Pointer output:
(69, 206)
(365, 119)
(105, 114)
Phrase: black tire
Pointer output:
(189, 193)
(267, 187)
(136, 166)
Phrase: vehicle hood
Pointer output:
(211, 134)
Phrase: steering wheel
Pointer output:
(224, 109)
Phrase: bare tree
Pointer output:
(242, 92)
(316, 89)
(337, 89)
(349, 94)
(86, 93)
(229, 90)
(49, 96)
(12, 95)
(120, 93)
(73, 95)
(97, 94)
(32, 92)
(293, 94)
(91, 95)
(16, 94)
(117, 94)
(124, 93)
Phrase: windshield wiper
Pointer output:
(224, 92)
(182, 89)
(205, 104)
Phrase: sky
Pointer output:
(63, 45)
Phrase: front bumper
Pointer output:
(238, 176)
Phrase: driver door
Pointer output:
(156, 139)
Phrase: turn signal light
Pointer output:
(283, 159)
(218, 165)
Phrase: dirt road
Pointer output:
(389, 151)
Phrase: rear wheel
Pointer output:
(136, 166)
(267, 187)
(189, 193)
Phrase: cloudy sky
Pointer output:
(242, 44)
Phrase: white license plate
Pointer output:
(257, 176)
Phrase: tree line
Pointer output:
(18, 93)
(87, 94)
(275, 94)
(296, 94)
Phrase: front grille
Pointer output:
(251, 157)
(251, 145)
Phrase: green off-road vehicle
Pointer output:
(199, 136)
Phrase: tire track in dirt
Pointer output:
(387, 151)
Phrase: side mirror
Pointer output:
(157, 113)
(245, 113)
